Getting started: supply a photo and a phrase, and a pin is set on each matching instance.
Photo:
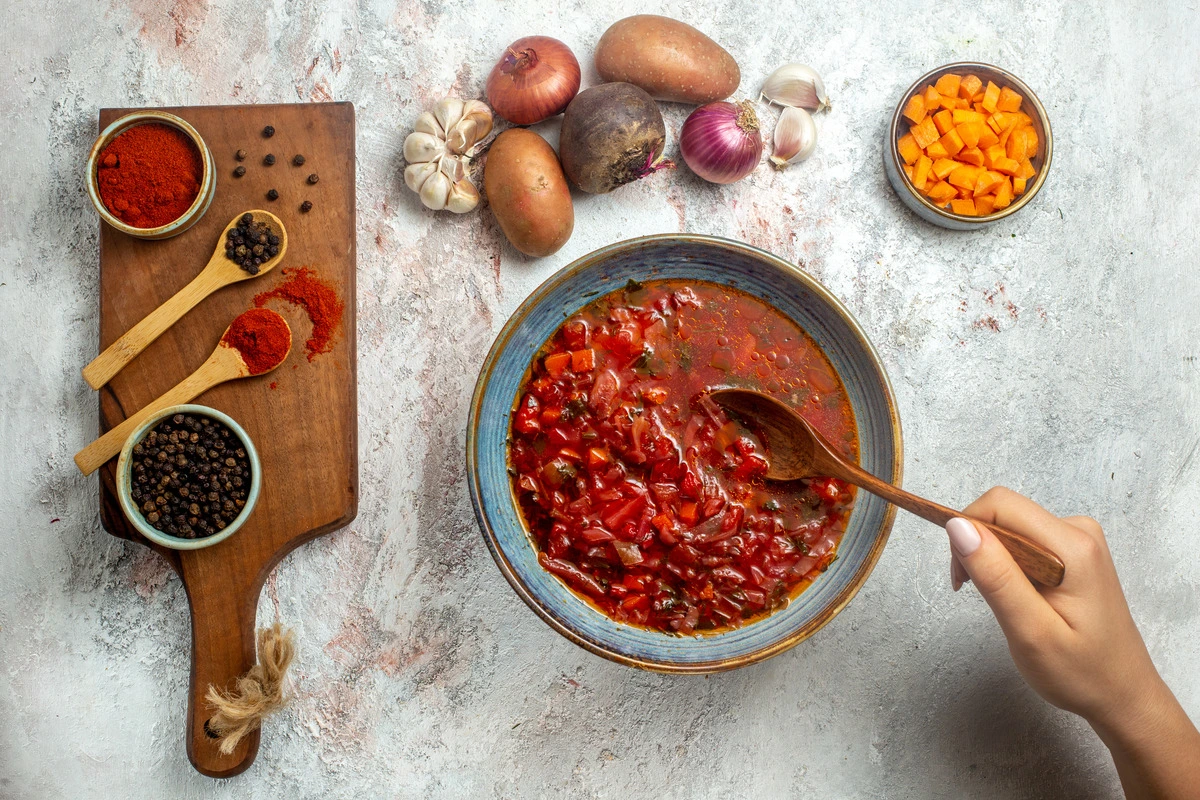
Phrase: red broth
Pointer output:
(638, 490)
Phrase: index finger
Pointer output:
(1006, 508)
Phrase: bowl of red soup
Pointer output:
(628, 509)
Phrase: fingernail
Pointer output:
(964, 537)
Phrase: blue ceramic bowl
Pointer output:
(125, 479)
(693, 257)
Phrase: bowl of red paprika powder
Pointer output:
(151, 175)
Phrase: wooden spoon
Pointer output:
(796, 450)
(219, 272)
(224, 364)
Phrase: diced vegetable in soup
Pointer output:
(640, 493)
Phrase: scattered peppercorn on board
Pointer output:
(303, 418)
(970, 148)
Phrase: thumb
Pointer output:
(1018, 606)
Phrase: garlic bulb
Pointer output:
(796, 85)
(795, 137)
(439, 151)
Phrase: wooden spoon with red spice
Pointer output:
(218, 273)
(796, 450)
(255, 343)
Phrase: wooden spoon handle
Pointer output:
(92, 457)
(140, 336)
(1038, 562)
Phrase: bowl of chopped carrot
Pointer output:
(969, 144)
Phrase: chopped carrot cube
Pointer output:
(1018, 186)
(970, 133)
(984, 205)
(987, 138)
(962, 115)
(1026, 170)
(948, 84)
(965, 176)
(663, 523)
(942, 192)
(1004, 195)
(915, 110)
(1006, 166)
(944, 120)
(971, 155)
(557, 363)
(952, 142)
(966, 206)
(991, 154)
(921, 172)
(925, 132)
(978, 96)
(969, 86)
(1015, 146)
(991, 96)
(936, 151)
(583, 360)
(943, 167)
(986, 182)
(597, 457)
(1012, 126)
(1008, 100)
(1024, 118)
(963, 193)
(908, 148)
(908, 170)
(933, 100)
(689, 513)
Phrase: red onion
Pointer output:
(721, 142)
(535, 79)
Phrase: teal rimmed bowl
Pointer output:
(125, 479)
(701, 258)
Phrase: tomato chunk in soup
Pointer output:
(640, 493)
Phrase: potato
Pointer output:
(669, 59)
(528, 193)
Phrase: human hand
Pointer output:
(1076, 644)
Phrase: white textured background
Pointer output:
(1058, 353)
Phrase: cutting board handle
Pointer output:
(223, 648)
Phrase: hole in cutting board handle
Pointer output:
(209, 732)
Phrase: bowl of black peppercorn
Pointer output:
(188, 477)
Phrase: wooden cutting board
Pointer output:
(303, 417)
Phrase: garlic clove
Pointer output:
(796, 85)
(448, 112)
(462, 136)
(415, 175)
(434, 191)
(420, 147)
(463, 197)
(453, 167)
(795, 137)
(427, 123)
(478, 111)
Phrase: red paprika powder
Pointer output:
(319, 301)
(261, 337)
(149, 175)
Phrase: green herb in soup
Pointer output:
(640, 493)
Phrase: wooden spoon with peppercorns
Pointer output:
(796, 450)
(222, 269)
(255, 343)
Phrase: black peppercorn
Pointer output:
(313, 178)
(298, 160)
(182, 497)
(272, 195)
(240, 155)
(306, 206)
(239, 171)
(268, 131)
